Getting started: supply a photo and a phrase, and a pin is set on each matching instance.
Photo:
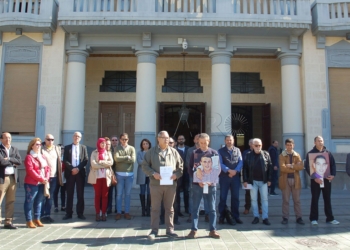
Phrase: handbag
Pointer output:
(113, 178)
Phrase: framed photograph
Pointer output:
(319, 165)
(208, 170)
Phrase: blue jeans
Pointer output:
(33, 194)
(124, 184)
(262, 188)
(232, 184)
(145, 187)
(47, 202)
(209, 198)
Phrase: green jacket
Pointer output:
(124, 163)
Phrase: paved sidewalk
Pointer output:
(123, 234)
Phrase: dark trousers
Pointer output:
(77, 181)
(177, 202)
(63, 195)
(110, 197)
(315, 195)
(274, 179)
(248, 202)
(232, 184)
(47, 202)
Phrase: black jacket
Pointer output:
(248, 166)
(331, 160)
(67, 159)
(15, 160)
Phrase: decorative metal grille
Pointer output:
(182, 82)
(119, 81)
(246, 83)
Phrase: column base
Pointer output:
(217, 140)
(300, 149)
(67, 136)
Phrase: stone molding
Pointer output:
(289, 58)
(339, 58)
(77, 56)
(146, 56)
(47, 38)
(23, 54)
(221, 57)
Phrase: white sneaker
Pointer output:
(334, 222)
(314, 222)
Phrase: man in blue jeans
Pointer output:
(198, 188)
(231, 166)
(274, 155)
(124, 157)
(257, 171)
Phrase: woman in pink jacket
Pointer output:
(37, 176)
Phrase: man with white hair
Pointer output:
(257, 171)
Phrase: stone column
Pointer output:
(292, 114)
(145, 117)
(220, 97)
(75, 95)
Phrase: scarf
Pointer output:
(101, 151)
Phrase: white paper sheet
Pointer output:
(166, 172)
(249, 186)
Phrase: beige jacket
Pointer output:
(96, 165)
(284, 170)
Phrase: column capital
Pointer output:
(146, 56)
(221, 57)
(289, 58)
(77, 55)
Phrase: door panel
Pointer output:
(117, 118)
(266, 125)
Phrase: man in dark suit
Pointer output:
(183, 182)
(9, 160)
(75, 159)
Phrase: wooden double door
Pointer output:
(116, 118)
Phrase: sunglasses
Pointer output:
(257, 146)
(37, 144)
(50, 139)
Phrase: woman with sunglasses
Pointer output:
(37, 176)
(100, 177)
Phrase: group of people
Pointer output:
(112, 162)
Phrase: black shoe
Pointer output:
(202, 212)
(172, 234)
(152, 235)
(67, 217)
(177, 222)
(50, 220)
(266, 222)
(82, 217)
(221, 221)
(255, 221)
(63, 209)
(181, 214)
(300, 221)
(284, 221)
(109, 211)
(56, 210)
(239, 221)
(10, 226)
(44, 219)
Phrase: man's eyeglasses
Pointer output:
(257, 146)
(114, 140)
(49, 139)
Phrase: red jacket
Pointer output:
(33, 175)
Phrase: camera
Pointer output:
(184, 44)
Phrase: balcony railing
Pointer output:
(182, 11)
(331, 17)
(28, 13)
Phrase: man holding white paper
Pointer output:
(163, 165)
(205, 168)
